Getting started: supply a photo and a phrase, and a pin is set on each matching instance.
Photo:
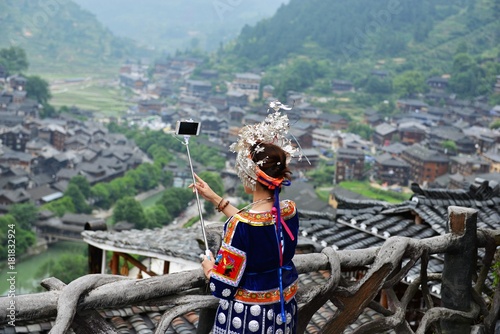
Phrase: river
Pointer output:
(29, 267)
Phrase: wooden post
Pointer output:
(95, 253)
(115, 264)
(459, 266)
(166, 267)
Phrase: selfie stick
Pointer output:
(207, 251)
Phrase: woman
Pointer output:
(253, 272)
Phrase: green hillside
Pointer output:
(354, 31)
(172, 25)
(59, 36)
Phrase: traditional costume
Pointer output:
(254, 275)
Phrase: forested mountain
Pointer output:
(353, 30)
(57, 33)
(173, 24)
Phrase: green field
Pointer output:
(365, 189)
(110, 101)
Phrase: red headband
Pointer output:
(270, 182)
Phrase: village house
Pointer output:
(306, 159)
(198, 88)
(436, 136)
(350, 165)
(17, 82)
(342, 86)
(469, 165)
(372, 117)
(411, 132)
(153, 106)
(493, 157)
(15, 137)
(219, 101)
(10, 197)
(247, 83)
(177, 68)
(236, 114)
(303, 136)
(333, 121)
(438, 83)
(267, 92)
(134, 81)
(237, 99)
(383, 133)
(467, 114)
(53, 134)
(395, 149)
(190, 102)
(408, 105)
(325, 139)
(381, 74)
(425, 164)
(214, 126)
(484, 137)
(209, 74)
(391, 170)
(9, 119)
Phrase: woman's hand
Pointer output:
(211, 196)
(204, 190)
(208, 264)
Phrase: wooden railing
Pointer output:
(465, 308)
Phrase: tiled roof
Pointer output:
(368, 223)
(170, 241)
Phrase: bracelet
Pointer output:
(218, 205)
(220, 209)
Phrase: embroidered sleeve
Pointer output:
(230, 264)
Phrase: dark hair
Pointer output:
(274, 160)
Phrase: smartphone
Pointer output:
(187, 128)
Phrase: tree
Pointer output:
(67, 268)
(48, 111)
(322, 176)
(466, 76)
(24, 238)
(175, 200)
(121, 187)
(83, 184)
(38, 89)
(364, 130)
(129, 210)
(409, 83)
(157, 216)
(449, 146)
(374, 85)
(60, 206)
(100, 196)
(146, 176)
(76, 196)
(14, 58)
(25, 214)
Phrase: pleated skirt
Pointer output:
(235, 317)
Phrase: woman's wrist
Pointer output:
(208, 273)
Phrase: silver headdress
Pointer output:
(272, 130)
